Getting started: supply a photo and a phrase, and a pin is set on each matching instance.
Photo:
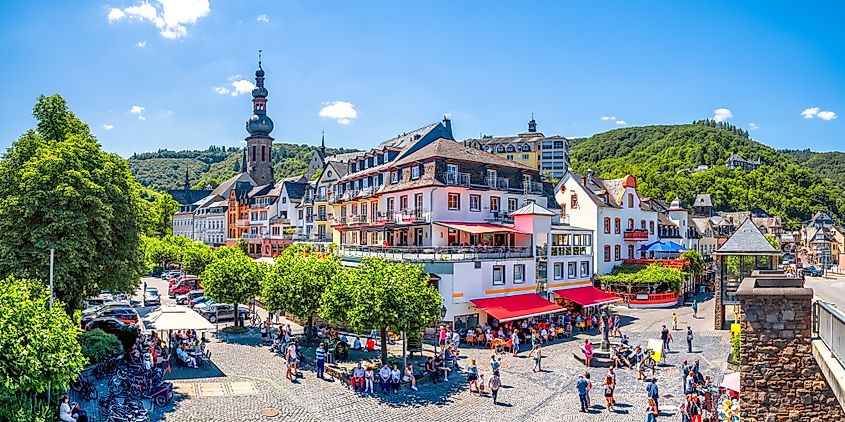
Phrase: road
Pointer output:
(830, 290)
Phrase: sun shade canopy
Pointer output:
(176, 318)
(509, 308)
(587, 296)
(480, 228)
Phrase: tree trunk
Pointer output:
(310, 327)
(383, 345)
(237, 316)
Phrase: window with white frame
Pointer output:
(570, 270)
(513, 203)
(558, 270)
(498, 275)
(475, 202)
(585, 268)
(519, 274)
(415, 172)
(394, 177)
(454, 201)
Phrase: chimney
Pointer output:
(590, 175)
(447, 123)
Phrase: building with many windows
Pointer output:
(613, 210)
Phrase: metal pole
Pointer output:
(52, 256)
(404, 349)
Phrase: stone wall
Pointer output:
(780, 379)
(719, 312)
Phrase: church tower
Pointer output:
(259, 144)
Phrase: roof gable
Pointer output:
(747, 240)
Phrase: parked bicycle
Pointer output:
(86, 389)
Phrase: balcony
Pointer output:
(635, 235)
(497, 183)
(435, 253)
(454, 178)
(366, 192)
(254, 206)
(358, 219)
(321, 198)
(570, 250)
(308, 199)
(242, 222)
(535, 188)
(339, 221)
(349, 194)
(386, 217)
(412, 216)
(321, 217)
(499, 217)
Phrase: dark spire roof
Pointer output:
(532, 124)
(747, 240)
(323, 144)
(243, 161)
(259, 124)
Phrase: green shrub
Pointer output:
(21, 409)
(735, 341)
(98, 345)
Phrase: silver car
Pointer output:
(151, 297)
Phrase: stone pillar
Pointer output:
(719, 310)
(779, 378)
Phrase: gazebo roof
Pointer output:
(747, 240)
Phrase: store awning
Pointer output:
(480, 228)
(588, 296)
(509, 308)
(176, 318)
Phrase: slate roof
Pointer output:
(532, 209)
(260, 190)
(224, 188)
(295, 190)
(449, 149)
(747, 240)
(187, 197)
(703, 200)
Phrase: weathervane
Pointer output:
(259, 58)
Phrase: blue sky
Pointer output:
(376, 69)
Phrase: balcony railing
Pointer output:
(498, 183)
(242, 222)
(435, 253)
(321, 217)
(321, 198)
(533, 188)
(570, 250)
(358, 219)
(412, 216)
(635, 235)
(457, 179)
(349, 194)
(307, 199)
(499, 217)
(339, 221)
(829, 326)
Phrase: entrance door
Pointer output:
(418, 236)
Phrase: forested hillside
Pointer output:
(824, 164)
(660, 157)
(165, 169)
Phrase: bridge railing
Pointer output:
(829, 326)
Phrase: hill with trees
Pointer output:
(824, 164)
(165, 169)
(664, 161)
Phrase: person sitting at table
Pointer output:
(371, 344)
(356, 345)
(358, 377)
(184, 357)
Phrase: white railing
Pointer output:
(498, 183)
(533, 187)
(829, 326)
(435, 253)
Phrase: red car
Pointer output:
(183, 287)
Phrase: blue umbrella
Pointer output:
(676, 247)
(657, 247)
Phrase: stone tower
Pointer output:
(259, 144)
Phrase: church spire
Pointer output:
(323, 144)
(243, 162)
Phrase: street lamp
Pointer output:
(443, 311)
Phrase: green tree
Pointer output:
(235, 278)
(695, 262)
(98, 345)
(61, 190)
(158, 213)
(39, 343)
(196, 257)
(165, 251)
(297, 282)
(773, 241)
(380, 294)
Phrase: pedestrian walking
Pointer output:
(609, 387)
(695, 309)
(589, 388)
(653, 394)
(495, 383)
(581, 386)
(651, 411)
(685, 368)
(145, 290)
(320, 358)
(689, 339)
(665, 335)
(472, 377)
(617, 325)
(515, 342)
(674, 321)
(291, 358)
(588, 352)
(494, 364)
(538, 358)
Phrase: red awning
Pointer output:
(509, 308)
(480, 228)
(588, 296)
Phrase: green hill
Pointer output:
(824, 164)
(165, 169)
(659, 157)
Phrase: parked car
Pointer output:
(151, 297)
(197, 300)
(222, 311)
(167, 274)
(92, 302)
(110, 325)
(813, 272)
(94, 310)
(202, 305)
(179, 277)
(185, 299)
(183, 287)
(128, 316)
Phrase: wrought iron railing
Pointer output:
(457, 179)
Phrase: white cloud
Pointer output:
(826, 115)
(753, 126)
(234, 77)
(262, 18)
(136, 109)
(169, 16)
(115, 14)
(141, 117)
(108, 127)
(242, 86)
(141, 44)
(341, 111)
(721, 114)
(222, 90)
(621, 122)
(608, 117)
(809, 113)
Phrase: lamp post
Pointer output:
(443, 311)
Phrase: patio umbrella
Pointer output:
(675, 247)
(657, 247)
(646, 247)
(731, 381)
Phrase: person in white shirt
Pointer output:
(395, 379)
(456, 340)
(384, 378)
(515, 342)
(368, 380)
(409, 376)
(64, 411)
(292, 360)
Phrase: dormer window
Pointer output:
(525, 148)
(630, 200)
(500, 148)
(394, 177)
(510, 148)
(415, 172)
